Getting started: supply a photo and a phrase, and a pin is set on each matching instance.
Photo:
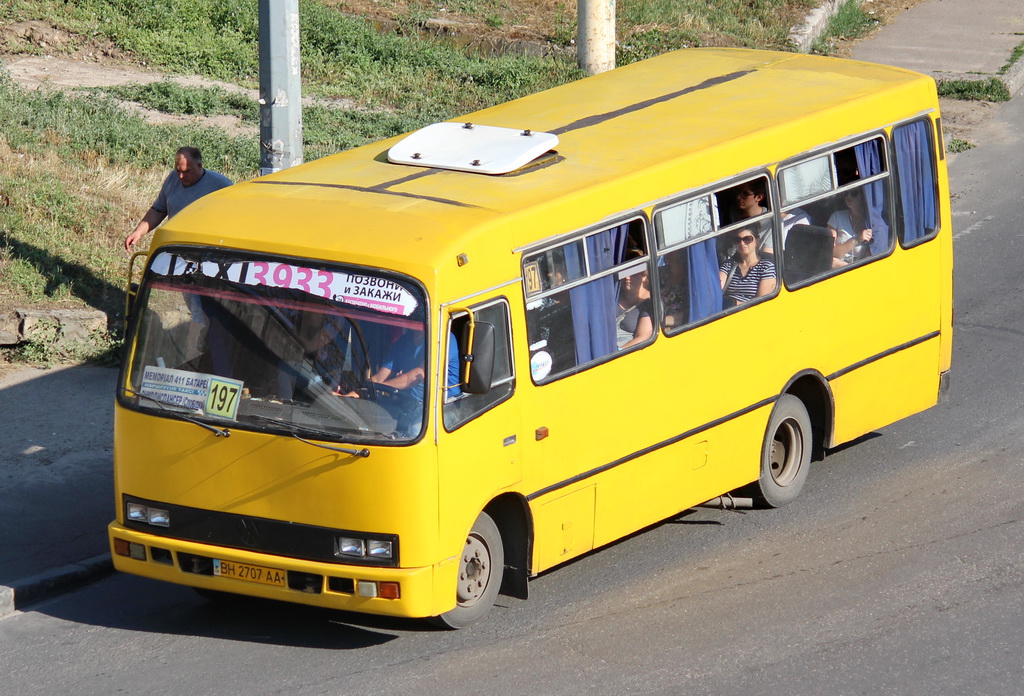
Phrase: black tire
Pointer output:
(481, 567)
(785, 454)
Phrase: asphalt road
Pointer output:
(899, 570)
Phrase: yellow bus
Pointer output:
(403, 378)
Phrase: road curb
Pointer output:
(51, 583)
(1012, 78)
(802, 36)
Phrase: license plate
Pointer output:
(250, 573)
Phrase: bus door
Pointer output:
(478, 432)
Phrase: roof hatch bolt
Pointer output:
(462, 259)
(527, 132)
(467, 126)
(475, 163)
(416, 155)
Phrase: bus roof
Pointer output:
(625, 138)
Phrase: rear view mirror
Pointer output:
(478, 362)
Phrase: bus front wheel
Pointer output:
(786, 454)
(481, 566)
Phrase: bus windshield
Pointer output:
(285, 346)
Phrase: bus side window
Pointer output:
(845, 194)
(464, 407)
(918, 210)
(694, 279)
(587, 322)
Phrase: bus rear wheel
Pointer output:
(786, 453)
(481, 566)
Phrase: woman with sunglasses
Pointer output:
(746, 275)
(850, 229)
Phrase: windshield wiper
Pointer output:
(219, 432)
(292, 427)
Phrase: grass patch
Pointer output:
(849, 22)
(957, 145)
(61, 230)
(326, 129)
(172, 98)
(993, 89)
(342, 56)
(95, 128)
(1015, 55)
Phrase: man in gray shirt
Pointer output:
(187, 183)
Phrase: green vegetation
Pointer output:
(1015, 55)
(992, 89)
(650, 27)
(850, 22)
(341, 56)
(88, 128)
(173, 98)
(958, 145)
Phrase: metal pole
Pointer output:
(280, 86)
(595, 35)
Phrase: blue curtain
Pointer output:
(705, 285)
(917, 180)
(869, 163)
(594, 303)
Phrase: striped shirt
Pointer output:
(741, 288)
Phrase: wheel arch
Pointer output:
(811, 387)
(511, 514)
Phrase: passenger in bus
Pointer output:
(746, 275)
(675, 284)
(633, 319)
(850, 228)
(790, 219)
(749, 200)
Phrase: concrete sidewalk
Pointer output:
(56, 488)
(56, 482)
(953, 40)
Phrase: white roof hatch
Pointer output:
(469, 147)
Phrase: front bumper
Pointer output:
(329, 585)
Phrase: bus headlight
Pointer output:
(378, 548)
(136, 512)
(350, 546)
(365, 548)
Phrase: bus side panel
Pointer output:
(679, 477)
(905, 381)
(855, 327)
(564, 527)
(862, 405)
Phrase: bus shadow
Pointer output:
(138, 605)
(852, 443)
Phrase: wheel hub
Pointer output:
(474, 571)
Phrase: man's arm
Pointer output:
(151, 219)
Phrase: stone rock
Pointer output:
(64, 326)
